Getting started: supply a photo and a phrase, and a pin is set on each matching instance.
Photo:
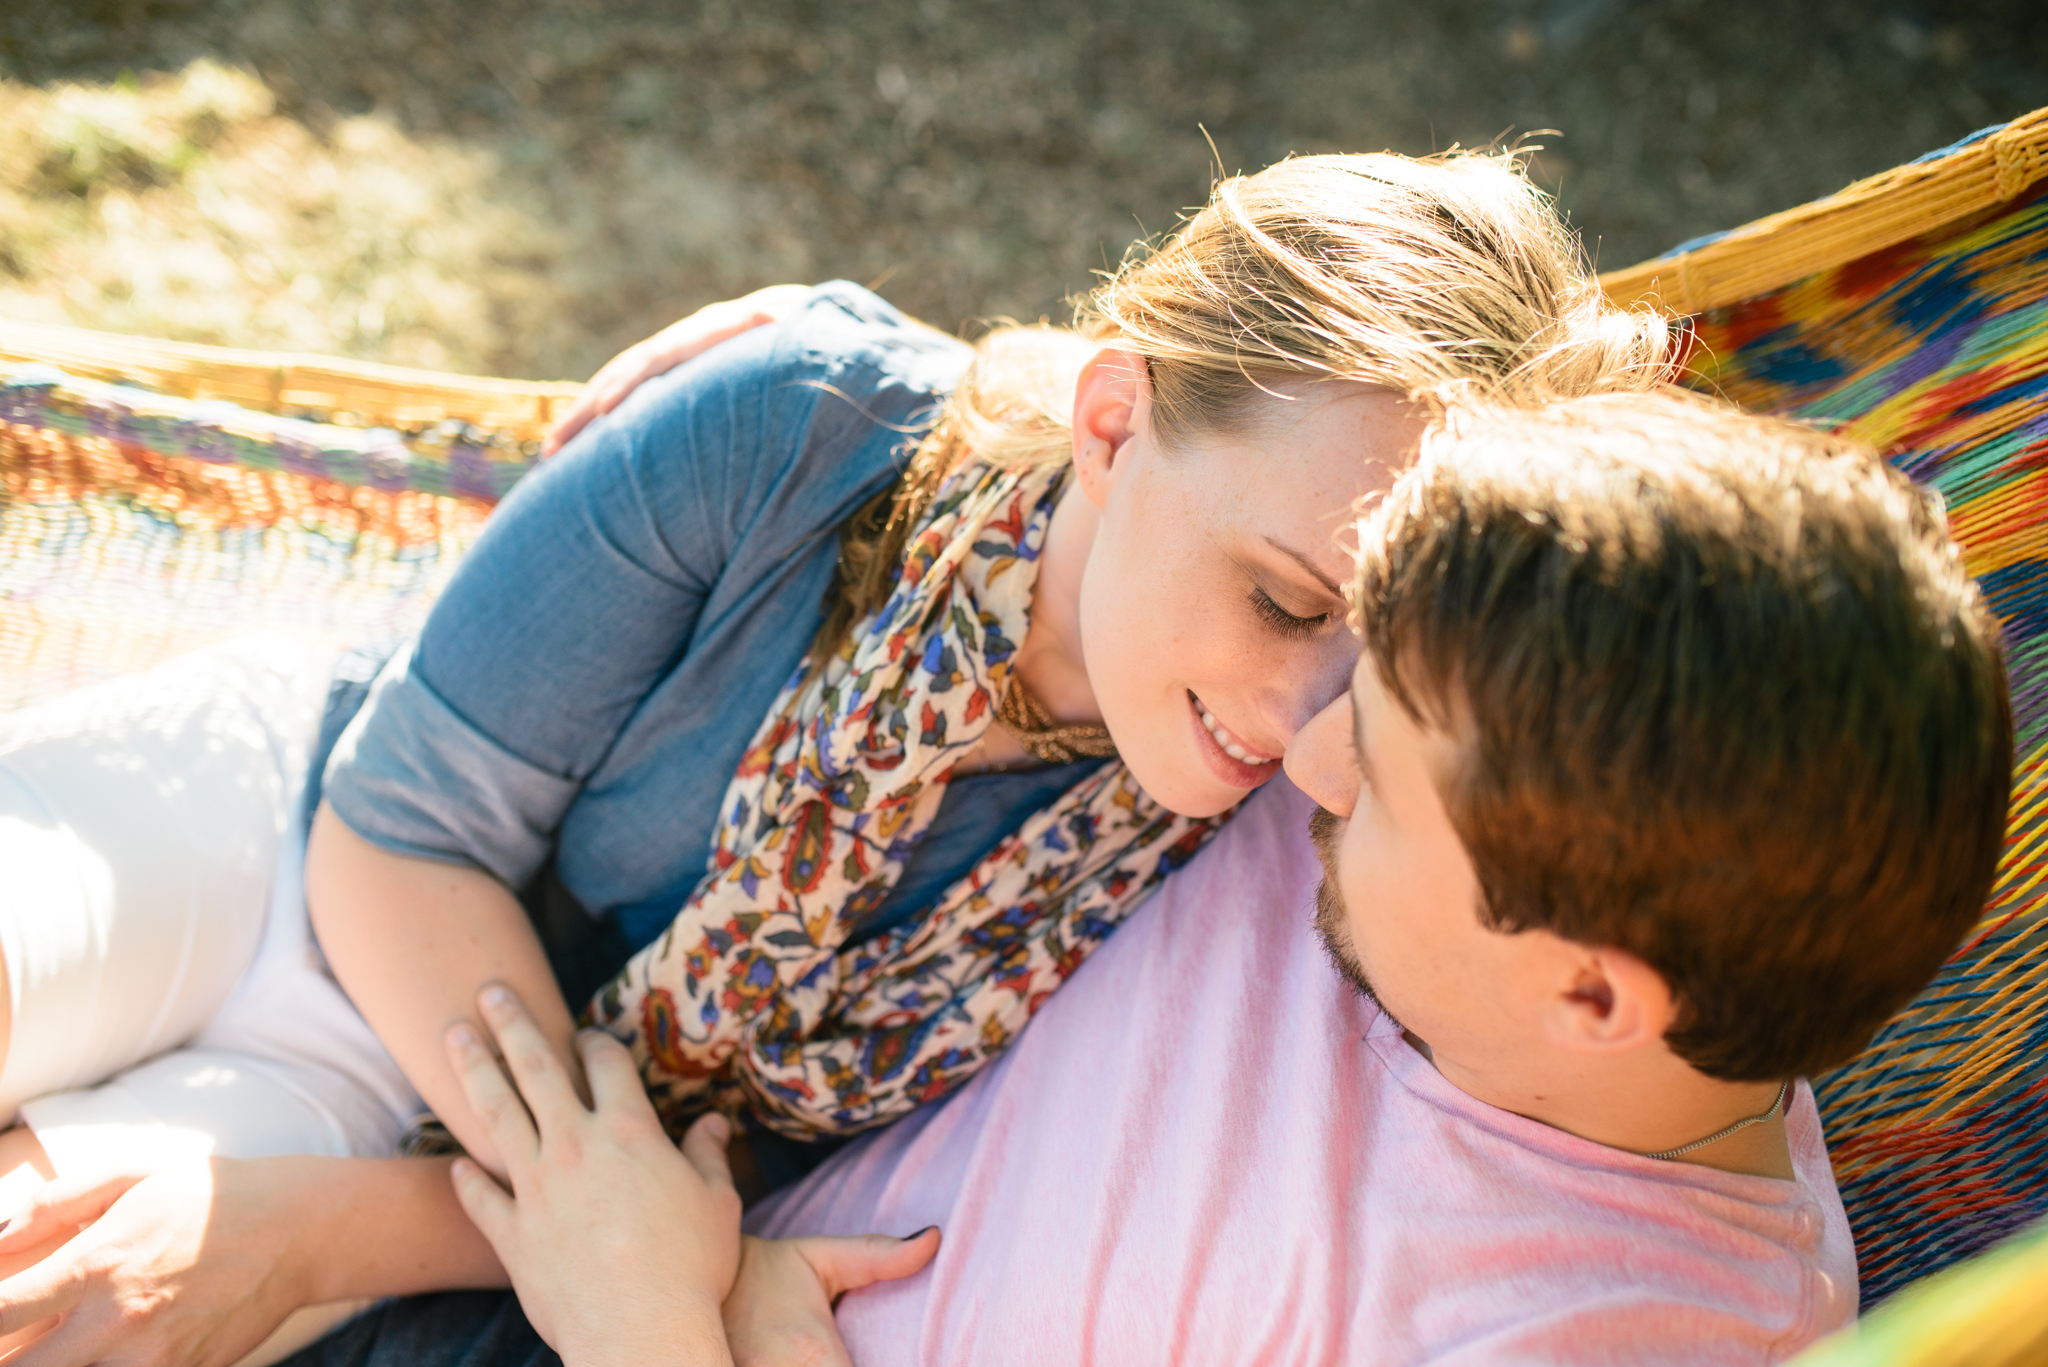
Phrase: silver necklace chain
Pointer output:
(1718, 1135)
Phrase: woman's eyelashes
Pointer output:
(1280, 619)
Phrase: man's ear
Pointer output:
(1112, 404)
(1608, 1001)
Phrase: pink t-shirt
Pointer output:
(1207, 1148)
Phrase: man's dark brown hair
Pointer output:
(1727, 699)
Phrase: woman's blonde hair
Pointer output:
(1436, 275)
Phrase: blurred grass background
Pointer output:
(523, 188)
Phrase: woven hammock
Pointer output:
(156, 497)
(1911, 311)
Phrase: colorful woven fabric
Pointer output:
(448, 458)
(134, 526)
(1936, 349)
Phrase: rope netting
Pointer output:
(135, 526)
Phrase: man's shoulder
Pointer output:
(1551, 1248)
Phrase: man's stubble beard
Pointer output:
(1333, 926)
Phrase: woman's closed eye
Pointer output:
(1280, 619)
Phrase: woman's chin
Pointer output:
(1217, 805)
(1191, 790)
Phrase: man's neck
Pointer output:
(1647, 1103)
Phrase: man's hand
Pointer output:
(780, 1311)
(669, 348)
(620, 1247)
(188, 1265)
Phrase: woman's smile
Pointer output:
(1227, 756)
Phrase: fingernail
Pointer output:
(498, 998)
(912, 1238)
(462, 1036)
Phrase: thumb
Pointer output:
(848, 1263)
(704, 1145)
(484, 1202)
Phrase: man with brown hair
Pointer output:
(1719, 721)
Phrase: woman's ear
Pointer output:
(1112, 404)
(1608, 1001)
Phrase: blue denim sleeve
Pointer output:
(586, 588)
(424, 781)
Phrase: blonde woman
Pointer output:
(805, 724)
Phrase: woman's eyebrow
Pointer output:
(1298, 558)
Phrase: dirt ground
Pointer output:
(524, 187)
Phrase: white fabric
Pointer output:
(154, 898)
(1207, 1149)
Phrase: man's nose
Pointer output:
(1319, 758)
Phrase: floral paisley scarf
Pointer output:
(748, 1000)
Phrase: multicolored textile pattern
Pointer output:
(135, 526)
(749, 1001)
(449, 458)
(1937, 351)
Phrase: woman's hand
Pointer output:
(669, 348)
(780, 1311)
(620, 1247)
(188, 1265)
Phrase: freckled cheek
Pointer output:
(1157, 622)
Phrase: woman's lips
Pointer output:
(1246, 773)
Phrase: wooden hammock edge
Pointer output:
(1870, 215)
(271, 382)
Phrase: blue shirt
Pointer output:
(585, 686)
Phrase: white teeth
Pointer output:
(1231, 745)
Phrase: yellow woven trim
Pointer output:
(1868, 216)
(375, 394)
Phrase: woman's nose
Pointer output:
(1320, 760)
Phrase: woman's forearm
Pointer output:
(412, 941)
(370, 1227)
